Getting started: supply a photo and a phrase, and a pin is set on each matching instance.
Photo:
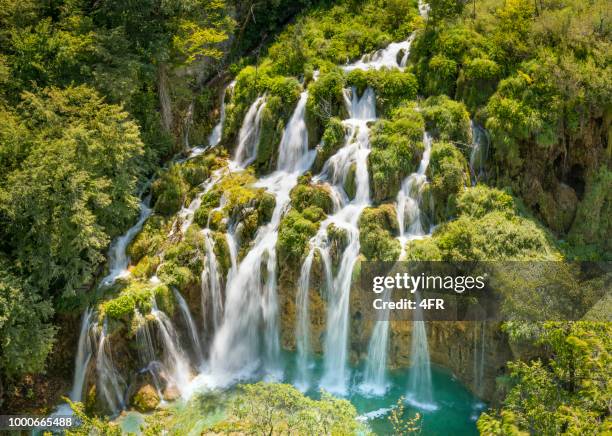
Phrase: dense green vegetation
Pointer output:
(96, 98)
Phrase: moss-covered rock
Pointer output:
(293, 235)
(392, 86)
(480, 200)
(333, 139)
(150, 239)
(377, 230)
(305, 195)
(448, 173)
(350, 183)
(325, 100)
(396, 150)
(139, 296)
(145, 399)
(447, 120)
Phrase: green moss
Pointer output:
(150, 239)
(222, 252)
(293, 235)
(477, 81)
(169, 191)
(396, 150)
(272, 126)
(333, 139)
(135, 296)
(423, 250)
(481, 200)
(210, 201)
(448, 174)
(392, 87)
(593, 223)
(350, 184)
(447, 120)
(377, 227)
(305, 195)
(146, 267)
(175, 275)
(325, 99)
(495, 236)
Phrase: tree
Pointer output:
(26, 334)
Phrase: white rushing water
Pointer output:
(110, 382)
(248, 137)
(211, 297)
(83, 356)
(175, 360)
(479, 356)
(118, 258)
(249, 329)
(479, 153)
(194, 333)
(395, 55)
(362, 110)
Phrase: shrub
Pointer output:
(377, 227)
(448, 174)
(447, 120)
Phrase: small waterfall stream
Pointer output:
(479, 153)
(118, 258)
(175, 361)
(211, 297)
(83, 356)
(110, 382)
(479, 356)
(194, 333)
(248, 137)
(419, 378)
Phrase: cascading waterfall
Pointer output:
(83, 356)
(410, 224)
(110, 382)
(175, 361)
(191, 327)
(419, 377)
(480, 150)
(146, 352)
(211, 298)
(335, 171)
(248, 137)
(251, 299)
(118, 257)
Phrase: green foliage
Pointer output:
(270, 408)
(332, 140)
(136, 296)
(396, 150)
(392, 86)
(72, 189)
(480, 200)
(377, 227)
(294, 232)
(593, 223)
(447, 120)
(401, 425)
(448, 174)
(26, 334)
(169, 191)
(305, 195)
(567, 394)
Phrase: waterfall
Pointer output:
(175, 361)
(302, 329)
(419, 377)
(408, 206)
(334, 173)
(248, 137)
(217, 133)
(375, 377)
(211, 298)
(388, 57)
(479, 153)
(146, 352)
(110, 383)
(117, 253)
(83, 356)
(251, 298)
(191, 326)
